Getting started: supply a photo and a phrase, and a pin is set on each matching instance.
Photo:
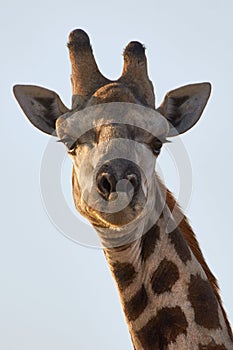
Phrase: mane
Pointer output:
(190, 238)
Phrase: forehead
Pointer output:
(113, 120)
(110, 131)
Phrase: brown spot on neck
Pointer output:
(180, 245)
(163, 329)
(164, 277)
(136, 305)
(124, 274)
(204, 303)
(148, 242)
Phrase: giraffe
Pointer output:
(169, 296)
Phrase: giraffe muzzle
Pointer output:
(118, 175)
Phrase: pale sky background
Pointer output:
(54, 293)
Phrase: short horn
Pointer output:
(86, 77)
(135, 74)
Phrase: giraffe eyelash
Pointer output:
(166, 141)
(70, 143)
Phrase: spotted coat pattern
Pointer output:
(166, 296)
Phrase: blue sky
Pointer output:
(58, 294)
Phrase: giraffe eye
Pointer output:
(156, 147)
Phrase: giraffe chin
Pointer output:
(111, 218)
(121, 218)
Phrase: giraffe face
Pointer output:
(113, 151)
(113, 148)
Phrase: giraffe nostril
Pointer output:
(106, 184)
(118, 175)
(133, 179)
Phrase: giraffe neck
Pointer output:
(166, 296)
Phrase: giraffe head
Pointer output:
(113, 133)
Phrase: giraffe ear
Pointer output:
(41, 106)
(183, 107)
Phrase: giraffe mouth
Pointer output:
(120, 210)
